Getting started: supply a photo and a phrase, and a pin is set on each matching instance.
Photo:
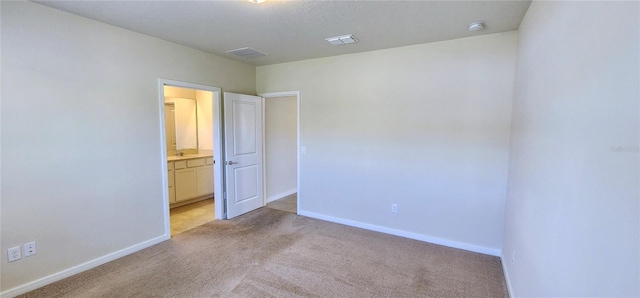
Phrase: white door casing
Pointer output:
(218, 166)
(243, 153)
(297, 95)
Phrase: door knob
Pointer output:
(231, 163)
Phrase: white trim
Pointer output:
(281, 195)
(506, 275)
(218, 144)
(217, 147)
(38, 283)
(163, 160)
(297, 95)
(265, 200)
(405, 234)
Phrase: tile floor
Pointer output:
(288, 204)
(187, 217)
(190, 216)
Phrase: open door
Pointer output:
(243, 153)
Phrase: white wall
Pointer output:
(572, 215)
(81, 147)
(170, 91)
(205, 119)
(426, 127)
(281, 146)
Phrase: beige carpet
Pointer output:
(271, 253)
(288, 203)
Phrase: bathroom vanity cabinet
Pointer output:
(190, 178)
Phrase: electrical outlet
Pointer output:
(303, 150)
(14, 254)
(513, 257)
(394, 208)
(29, 249)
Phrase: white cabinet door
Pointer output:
(172, 188)
(171, 184)
(243, 153)
(204, 180)
(185, 184)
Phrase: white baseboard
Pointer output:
(19, 290)
(405, 234)
(281, 195)
(506, 275)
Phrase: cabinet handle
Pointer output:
(231, 163)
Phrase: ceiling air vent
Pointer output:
(246, 53)
(340, 40)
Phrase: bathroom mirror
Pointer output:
(181, 123)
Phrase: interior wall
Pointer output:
(170, 91)
(281, 142)
(572, 215)
(425, 127)
(81, 140)
(204, 101)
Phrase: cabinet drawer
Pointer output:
(209, 160)
(170, 166)
(180, 164)
(195, 162)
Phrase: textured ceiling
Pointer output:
(296, 30)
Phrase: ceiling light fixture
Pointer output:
(256, 1)
(476, 26)
(340, 40)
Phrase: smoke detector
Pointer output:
(340, 40)
(246, 53)
(476, 26)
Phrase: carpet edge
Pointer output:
(405, 234)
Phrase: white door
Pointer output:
(243, 153)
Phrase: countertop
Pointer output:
(188, 156)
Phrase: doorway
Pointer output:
(282, 150)
(191, 148)
(236, 122)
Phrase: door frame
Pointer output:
(266, 96)
(217, 148)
